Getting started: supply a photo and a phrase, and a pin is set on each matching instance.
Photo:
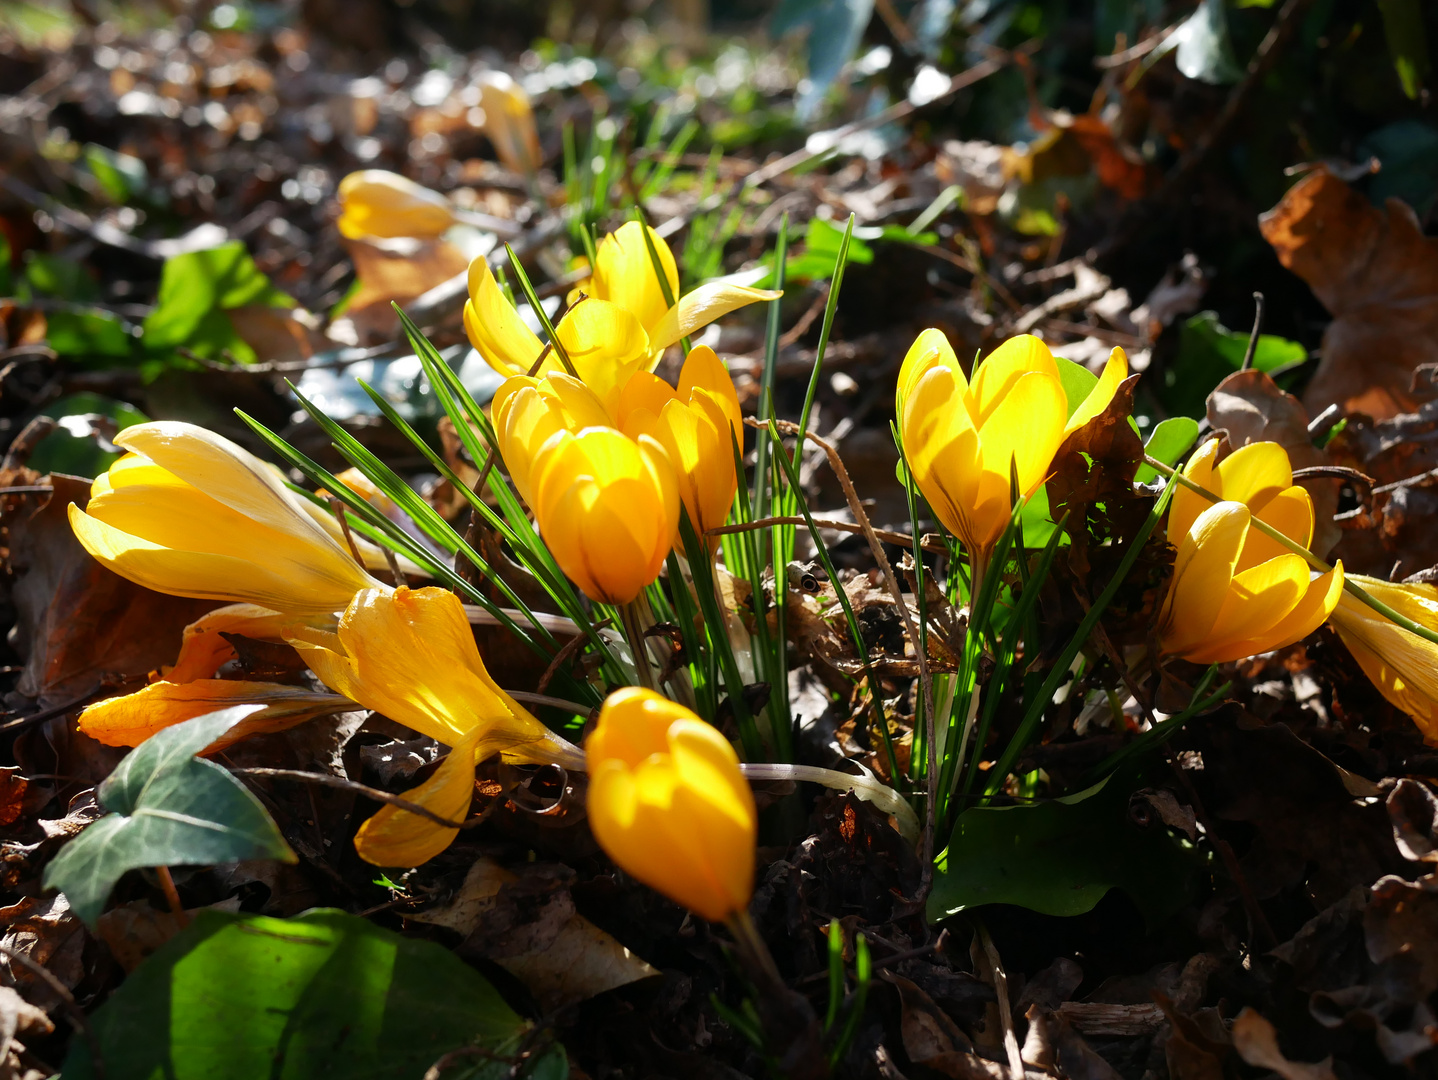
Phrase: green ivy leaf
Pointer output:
(237, 996)
(167, 808)
(1062, 857)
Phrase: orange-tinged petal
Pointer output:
(1291, 513)
(203, 648)
(1115, 371)
(637, 727)
(704, 372)
(696, 310)
(624, 273)
(131, 719)
(396, 837)
(645, 392)
(1005, 366)
(494, 327)
(1316, 604)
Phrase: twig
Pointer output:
(345, 784)
(1253, 337)
(1187, 168)
(562, 657)
(172, 896)
(78, 1019)
(886, 535)
(54, 710)
(338, 509)
(1001, 989)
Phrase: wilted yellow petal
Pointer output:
(396, 837)
(203, 648)
(131, 719)
(494, 327)
(509, 121)
(1114, 373)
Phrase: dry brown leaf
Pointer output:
(12, 795)
(1377, 274)
(43, 929)
(1250, 407)
(561, 956)
(278, 335)
(398, 276)
(135, 930)
(1257, 1043)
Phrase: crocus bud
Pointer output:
(607, 507)
(698, 426)
(1402, 665)
(384, 204)
(668, 804)
(187, 512)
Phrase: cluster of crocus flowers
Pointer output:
(606, 485)
(1236, 591)
(668, 803)
(966, 439)
(410, 654)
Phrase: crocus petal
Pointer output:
(929, 348)
(1006, 365)
(1316, 604)
(203, 648)
(411, 655)
(1255, 473)
(1202, 573)
(1114, 373)
(1187, 504)
(396, 837)
(1291, 513)
(131, 719)
(1026, 427)
(1402, 665)
(606, 345)
(375, 202)
(1257, 600)
(624, 273)
(697, 309)
(644, 392)
(494, 327)
(703, 371)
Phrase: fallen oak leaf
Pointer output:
(1377, 274)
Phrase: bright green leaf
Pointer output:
(167, 808)
(120, 176)
(1078, 382)
(89, 333)
(1208, 351)
(1169, 442)
(238, 996)
(1062, 857)
(194, 285)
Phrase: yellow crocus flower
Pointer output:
(624, 275)
(375, 202)
(622, 326)
(187, 512)
(1235, 591)
(698, 426)
(668, 803)
(960, 437)
(526, 411)
(410, 654)
(1402, 665)
(509, 121)
(604, 343)
(607, 507)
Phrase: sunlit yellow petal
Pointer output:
(606, 345)
(1402, 665)
(1006, 365)
(697, 309)
(1202, 574)
(396, 837)
(1114, 373)
(624, 273)
(494, 327)
(379, 203)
